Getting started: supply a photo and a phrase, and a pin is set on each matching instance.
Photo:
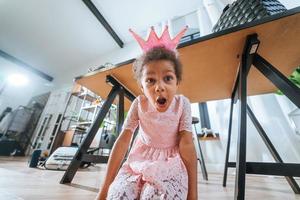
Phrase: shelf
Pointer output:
(209, 136)
(90, 108)
(80, 133)
(78, 127)
(75, 93)
(90, 105)
(109, 122)
(87, 123)
(88, 97)
(71, 118)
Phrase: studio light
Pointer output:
(17, 80)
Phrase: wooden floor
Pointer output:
(18, 181)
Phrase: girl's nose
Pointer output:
(160, 87)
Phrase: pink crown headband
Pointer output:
(154, 41)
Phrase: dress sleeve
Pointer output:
(132, 120)
(185, 121)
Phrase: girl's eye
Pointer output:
(150, 80)
(168, 78)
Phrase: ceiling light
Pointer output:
(17, 80)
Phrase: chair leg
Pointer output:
(200, 155)
(228, 144)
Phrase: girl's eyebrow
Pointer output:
(169, 70)
(165, 71)
(150, 73)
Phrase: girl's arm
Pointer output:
(120, 148)
(115, 159)
(188, 155)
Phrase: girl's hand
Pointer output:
(98, 197)
(192, 196)
(102, 193)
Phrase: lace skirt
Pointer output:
(151, 173)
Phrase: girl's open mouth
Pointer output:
(161, 101)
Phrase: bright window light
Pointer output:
(17, 80)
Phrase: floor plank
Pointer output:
(18, 182)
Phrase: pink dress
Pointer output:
(154, 168)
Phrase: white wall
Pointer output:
(289, 4)
(130, 50)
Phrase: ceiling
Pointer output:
(57, 36)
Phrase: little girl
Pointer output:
(162, 163)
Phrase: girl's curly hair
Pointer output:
(155, 54)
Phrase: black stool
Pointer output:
(200, 157)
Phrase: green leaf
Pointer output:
(278, 92)
(294, 78)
